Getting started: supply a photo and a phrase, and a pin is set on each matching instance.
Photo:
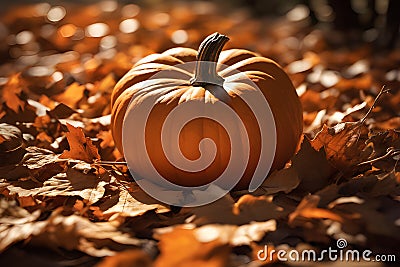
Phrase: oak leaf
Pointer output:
(81, 147)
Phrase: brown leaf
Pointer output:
(344, 144)
(61, 111)
(308, 209)
(248, 208)
(107, 139)
(81, 147)
(191, 251)
(73, 183)
(226, 233)
(106, 85)
(127, 258)
(284, 180)
(26, 201)
(11, 93)
(11, 144)
(127, 204)
(386, 145)
(37, 158)
(312, 167)
(77, 233)
(260, 208)
(10, 138)
(374, 216)
(16, 223)
(313, 101)
(71, 95)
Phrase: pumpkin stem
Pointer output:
(207, 58)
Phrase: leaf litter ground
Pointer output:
(64, 201)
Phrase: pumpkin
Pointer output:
(266, 74)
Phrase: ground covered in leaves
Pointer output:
(63, 202)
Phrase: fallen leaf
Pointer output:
(344, 144)
(312, 167)
(124, 203)
(11, 93)
(81, 147)
(73, 183)
(251, 208)
(72, 94)
(308, 209)
(284, 180)
(106, 139)
(127, 258)
(77, 233)
(16, 223)
(11, 144)
(10, 138)
(61, 111)
(41, 163)
(192, 252)
(386, 145)
(225, 211)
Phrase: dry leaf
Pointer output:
(11, 144)
(191, 251)
(308, 209)
(344, 144)
(225, 211)
(78, 233)
(61, 111)
(83, 209)
(312, 167)
(127, 258)
(16, 223)
(284, 180)
(10, 138)
(71, 95)
(124, 203)
(81, 147)
(11, 93)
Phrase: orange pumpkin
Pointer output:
(273, 82)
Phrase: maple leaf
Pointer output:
(11, 93)
(192, 252)
(81, 147)
(344, 144)
(282, 180)
(312, 167)
(71, 95)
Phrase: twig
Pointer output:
(381, 92)
(390, 152)
(110, 163)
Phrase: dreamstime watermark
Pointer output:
(331, 254)
(147, 98)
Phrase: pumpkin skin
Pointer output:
(273, 82)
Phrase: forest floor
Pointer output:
(62, 204)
